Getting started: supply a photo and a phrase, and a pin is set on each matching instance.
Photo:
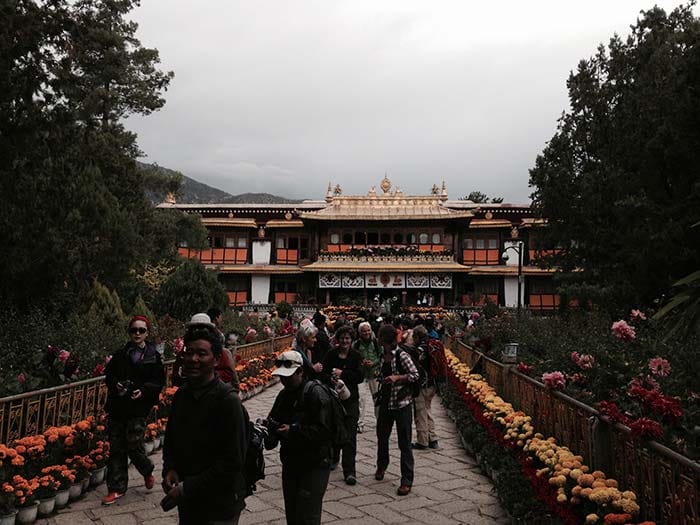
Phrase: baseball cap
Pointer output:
(287, 363)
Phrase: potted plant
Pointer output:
(7, 504)
(98, 457)
(149, 438)
(81, 475)
(64, 477)
(45, 493)
(25, 501)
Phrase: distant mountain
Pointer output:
(195, 192)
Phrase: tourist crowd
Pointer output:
(208, 460)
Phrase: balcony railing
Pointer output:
(33, 412)
(419, 257)
(667, 484)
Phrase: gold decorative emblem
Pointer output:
(230, 215)
(514, 232)
(288, 216)
(386, 184)
(261, 232)
(489, 215)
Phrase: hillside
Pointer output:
(195, 192)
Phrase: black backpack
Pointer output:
(340, 433)
(254, 465)
(412, 352)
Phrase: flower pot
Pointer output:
(74, 491)
(8, 519)
(62, 498)
(148, 446)
(46, 506)
(28, 514)
(97, 476)
(162, 440)
(156, 443)
(85, 483)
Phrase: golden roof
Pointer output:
(257, 268)
(276, 223)
(229, 222)
(490, 223)
(369, 266)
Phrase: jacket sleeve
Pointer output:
(110, 374)
(169, 439)
(230, 454)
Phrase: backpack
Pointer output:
(254, 464)
(412, 352)
(341, 421)
(438, 363)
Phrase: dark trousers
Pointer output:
(303, 488)
(350, 449)
(404, 421)
(126, 441)
(194, 517)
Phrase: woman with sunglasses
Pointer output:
(134, 377)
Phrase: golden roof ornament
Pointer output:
(435, 189)
(338, 190)
(443, 193)
(372, 192)
(170, 198)
(386, 184)
(329, 193)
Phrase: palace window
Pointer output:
(481, 249)
(291, 248)
(224, 248)
(285, 291)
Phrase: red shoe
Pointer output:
(111, 497)
(403, 490)
(150, 481)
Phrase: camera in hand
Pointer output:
(128, 387)
(272, 425)
(168, 503)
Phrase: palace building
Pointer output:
(414, 248)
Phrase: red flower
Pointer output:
(524, 368)
(610, 409)
(645, 428)
(21, 378)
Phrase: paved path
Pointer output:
(448, 488)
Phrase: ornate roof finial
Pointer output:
(170, 198)
(386, 184)
(435, 189)
(372, 192)
(443, 193)
(329, 193)
(338, 190)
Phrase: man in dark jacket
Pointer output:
(301, 419)
(205, 440)
(134, 377)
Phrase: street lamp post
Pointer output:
(519, 252)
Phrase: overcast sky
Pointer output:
(284, 96)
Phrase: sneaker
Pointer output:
(111, 497)
(403, 490)
(350, 480)
(379, 475)
(418, 446)
(149, 481)
(360, 429)
(433, 444)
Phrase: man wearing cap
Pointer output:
(205, 445)
(301, 419)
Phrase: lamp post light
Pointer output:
(518, 249)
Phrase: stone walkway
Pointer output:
(448, 488)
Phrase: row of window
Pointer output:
(372, 238)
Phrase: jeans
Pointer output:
(425, 426)
(126, 441)
(303, 488)
(352, 407)
(404, 421)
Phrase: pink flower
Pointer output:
(99, 370)
(659, 366)
(637, 315)
(63, 356)
(178, 345)
(623, 331)
(554, 380)
(21, 378)
(583, 361)
(474, 316)
(108, 359)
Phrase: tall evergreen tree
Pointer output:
(620, 180)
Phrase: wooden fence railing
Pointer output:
(33, 412)
(667, 484)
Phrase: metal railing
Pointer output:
(33, 412)
(667, 484)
